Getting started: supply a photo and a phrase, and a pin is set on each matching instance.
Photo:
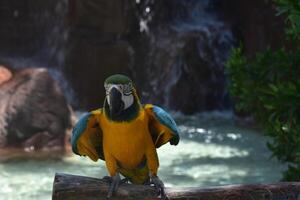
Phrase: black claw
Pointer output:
(159, 186)
(124, 180)
(114, 183)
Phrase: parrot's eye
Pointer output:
(127, 89)
(121, 87)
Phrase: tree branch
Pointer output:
(71, 187)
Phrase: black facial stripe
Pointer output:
(127, 94)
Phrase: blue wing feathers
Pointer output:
(78, 130)
(164, 118)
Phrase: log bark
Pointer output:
(69, 187)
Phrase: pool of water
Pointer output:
(212, 151)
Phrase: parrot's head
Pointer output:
(120, 95)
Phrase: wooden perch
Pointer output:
(69, 187)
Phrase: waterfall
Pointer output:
(175, 50)
(188, 45)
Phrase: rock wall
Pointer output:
(174, 50)
(183, 64)
(33, 30)
(96, 47)
(180, 56)
(255, 23)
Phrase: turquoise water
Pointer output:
(212, 151)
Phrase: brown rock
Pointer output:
(34, 114)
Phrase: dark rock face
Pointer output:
(174, 50)
(255, 23)
(174, 56)
(189, 44)
(33, 30)
(96, 47)
(183, 66)
(34, 114)
(88, 71)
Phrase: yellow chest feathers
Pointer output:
(126, 141)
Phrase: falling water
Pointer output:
(184, 24)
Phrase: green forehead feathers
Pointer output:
(117, 79)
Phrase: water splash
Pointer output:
(189, 23)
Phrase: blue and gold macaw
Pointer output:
(125, 134)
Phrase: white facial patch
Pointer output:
(127, 97)
(128, 100)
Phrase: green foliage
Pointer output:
(291, 8)
(268, 87)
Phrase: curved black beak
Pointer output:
(116, 104)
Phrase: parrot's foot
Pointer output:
(114, 183)
(159, 186)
